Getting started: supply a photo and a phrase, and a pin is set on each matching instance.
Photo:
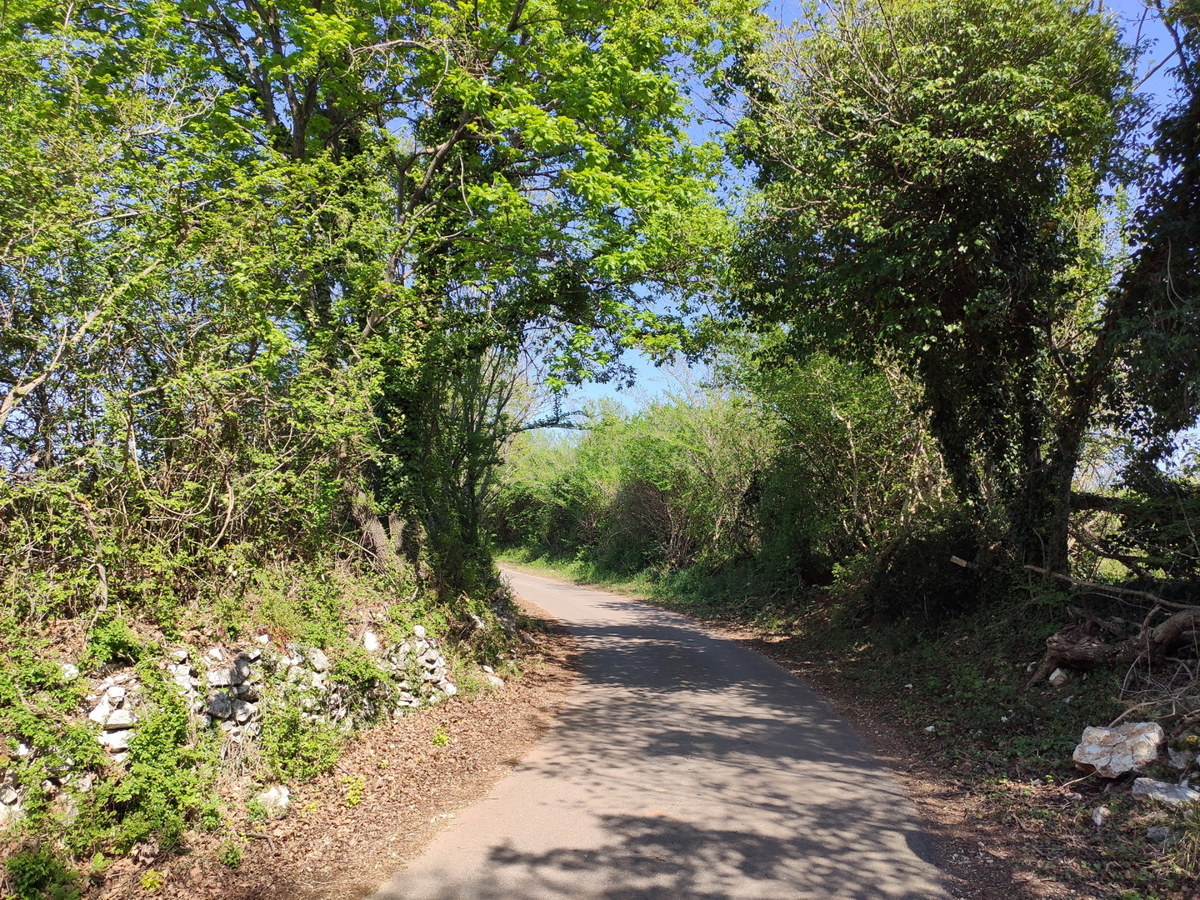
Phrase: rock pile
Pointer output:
(116, 699)
(234, 691)
(228, 689)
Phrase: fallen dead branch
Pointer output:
(1082, 646)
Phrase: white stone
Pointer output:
(370, 642)
(1181, 759)
(239, 672)
(116, 694)
(22, 750)
(449, 688)
(275, 800)
(219, 678)
(494, 680)
(1160, 834)
(220, 706)
(84, 784)
(930, 729)
(215, 654)
(243, 711)
(1059, 677)
(488, 669)
(119, 718)
(9, 797)
(262, 640)
(180, 656)
(69, 672)
(1100, 816)
(318, 681)
(1170, 794)
(419, 631)
(116, 741)
(318, 660)
(10, 815)
(102, 710)
(1110, 752)
(254, 654)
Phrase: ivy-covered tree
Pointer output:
(329, 227)
(936, 184)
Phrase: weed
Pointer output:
(256, 811)
(230, 854)
(1187, 845)
(295, 748)
(356, 788)
(113, 641)
(153, 880)
(39, 874)
(441, 737)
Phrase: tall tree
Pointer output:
(935, 180)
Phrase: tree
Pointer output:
(935, 179)
(341, 219)
(537, 170)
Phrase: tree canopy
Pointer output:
(938, 182)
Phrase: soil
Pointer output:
(393, 787)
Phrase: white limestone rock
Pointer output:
(1170, 794)
(220, 706)
(370, 642)
(1181, 760)
(10, 815)
(102, 710)
(1111, 752)
(275, 800)
(115, 741)
(120, 719)
(318, 660)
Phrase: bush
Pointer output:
(914, 575)
(38, 874)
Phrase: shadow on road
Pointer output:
(684, 767)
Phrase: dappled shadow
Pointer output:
(684, 766)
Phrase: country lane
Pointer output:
(683, 767)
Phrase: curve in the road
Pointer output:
(683, 766)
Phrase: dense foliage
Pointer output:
(267, 269)
(940, 185)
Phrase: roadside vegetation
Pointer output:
(290, 293)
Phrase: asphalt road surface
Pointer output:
(683, 766)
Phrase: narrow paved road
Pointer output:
(683, 767)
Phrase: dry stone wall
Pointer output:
(229, 689)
